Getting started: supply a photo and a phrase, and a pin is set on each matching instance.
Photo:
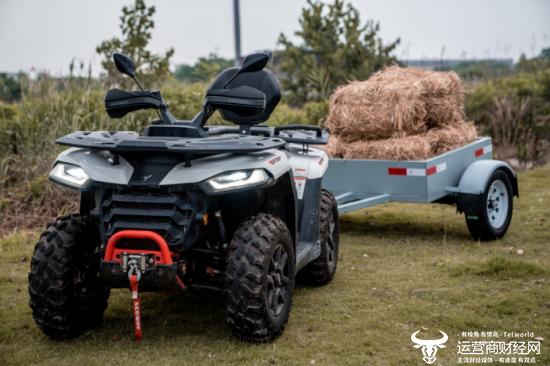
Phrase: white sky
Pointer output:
(48, 34)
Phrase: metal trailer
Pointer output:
(468, 177)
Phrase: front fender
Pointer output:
(274, 161)
(98, 166)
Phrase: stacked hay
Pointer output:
(398, 114)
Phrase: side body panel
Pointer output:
(306, 164)
(308, 167)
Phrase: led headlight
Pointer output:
(237, 179)
(69, 175)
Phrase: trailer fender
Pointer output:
(474, 180)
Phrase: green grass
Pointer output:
(402, 267)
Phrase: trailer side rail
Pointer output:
(359, 184)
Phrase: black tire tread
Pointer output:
(481, 229)
(58, 311)
(248, 261)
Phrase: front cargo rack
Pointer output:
(129, 141)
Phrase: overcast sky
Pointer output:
(48, 34)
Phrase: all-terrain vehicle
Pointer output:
(238, 209)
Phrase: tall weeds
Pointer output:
(51, 108)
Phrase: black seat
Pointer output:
(247, 85)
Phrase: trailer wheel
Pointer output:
(322, 270)
(259, 278)
(496, 209)
(66, 295)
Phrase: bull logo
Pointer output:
(429, 347)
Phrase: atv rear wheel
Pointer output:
(259, 278)
(322, 270)
(66, 295)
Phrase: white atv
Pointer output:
(238, 209)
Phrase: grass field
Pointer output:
(402, 268)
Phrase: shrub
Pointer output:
(515, 111)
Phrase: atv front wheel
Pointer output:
(259, 278)
(66, 295)
(322, 270)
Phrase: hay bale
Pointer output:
(442, 84)
(399, 148)
(416, 147)
(335, 148)
(443, 112)
(396, 102)
(398, 114)
(450, 137)
(384, 106)
(443, 96)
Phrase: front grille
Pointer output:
(169, 214)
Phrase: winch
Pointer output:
(137, 264)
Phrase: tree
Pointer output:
(10, 87)
(535, 64)
(204, 69)
(335, 47)
(136, 24)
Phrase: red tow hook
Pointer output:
(134, 282)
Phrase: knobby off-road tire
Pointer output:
(322, 270)
(66, 295)
(259, 278)
(495, 211)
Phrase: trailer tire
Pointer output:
(321, 270)
(66, 294)
(259, 276)
(495, 211)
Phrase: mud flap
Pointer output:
(469, 204)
